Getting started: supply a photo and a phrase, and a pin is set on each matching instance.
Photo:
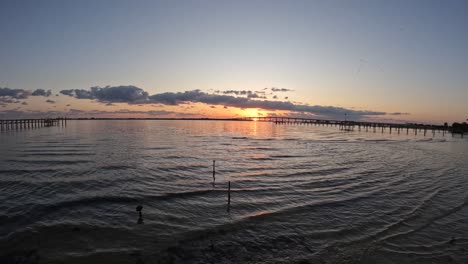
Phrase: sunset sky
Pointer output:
(396, 61)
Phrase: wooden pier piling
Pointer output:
(21, 124)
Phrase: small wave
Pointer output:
(429, 221)
(308, 206)
(377, 140)
(179, 157)
(287, 156)
(263, 158)
(59, 147)
(182, 168)
(158, 148)
(413, 214)
(117, 167)
(47, 150)
(100, 200)
(329, 141)
(25, 171)
(240, 138)
(263, 148)
(41, 154)
(424, 140)
(322, 172)
(167, 196)
(329, 183)
(51, 162)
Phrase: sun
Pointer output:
(250, 112)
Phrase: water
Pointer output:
(300, 194)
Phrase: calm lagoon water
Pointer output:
(299, 194)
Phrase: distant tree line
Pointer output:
(460, 127)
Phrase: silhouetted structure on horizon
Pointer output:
(346, 125)
(18, 124)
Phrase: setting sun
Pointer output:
(250, 112)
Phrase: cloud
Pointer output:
(196, 96)
(248, 93)
(14, 93)
(151, 113)
(11, 96)
(50, 101)
(69, 93)
(241, 92)
(255, 95)
(110, 94)
(398, 114)
(24, 103)
(7, 100)
(16, 114)
(132, 95)
(274, 89)
(42, 92)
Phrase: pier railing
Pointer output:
(17, 124)
(356, 125)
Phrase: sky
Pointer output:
(388, 61)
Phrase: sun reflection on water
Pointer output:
(256, 214)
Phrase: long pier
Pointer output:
(344, 125)
(18, 124)
(356, 125)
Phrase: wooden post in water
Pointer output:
(229, 196)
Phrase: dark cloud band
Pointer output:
(132, 95)
(240, 99)
(14, 93)
(42, 92)
(108, 94)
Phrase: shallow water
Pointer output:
(299, 194)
